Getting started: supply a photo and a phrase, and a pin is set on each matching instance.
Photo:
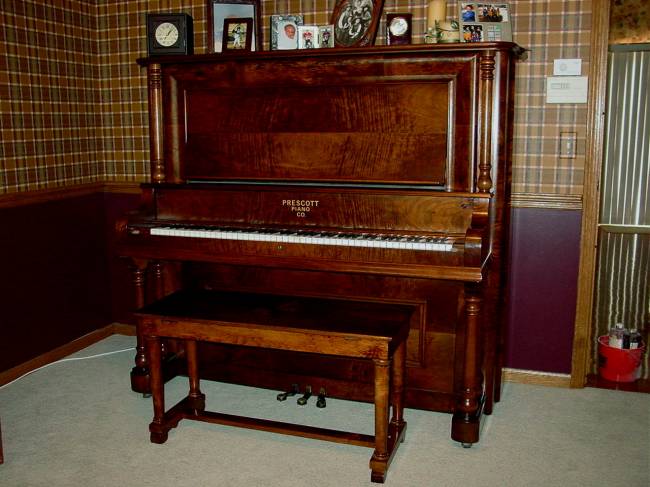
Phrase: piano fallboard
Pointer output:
(373, 209)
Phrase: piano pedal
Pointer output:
(320, 402)
(292, 392)
(303, 400)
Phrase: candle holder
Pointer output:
(447, 31)
(431, 36)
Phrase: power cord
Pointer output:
(69, 359)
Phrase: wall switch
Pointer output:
(568, 143)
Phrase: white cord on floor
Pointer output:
(70, 359)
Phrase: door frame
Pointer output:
(596, 108)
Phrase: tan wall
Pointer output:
(100, 130)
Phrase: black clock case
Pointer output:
(393, 40)
(185, 42)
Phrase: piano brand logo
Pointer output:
(300, 207)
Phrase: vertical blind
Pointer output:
(622, 293)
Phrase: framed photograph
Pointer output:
(485, 22)
(220, 10)
(326, 36)
(307, 36)
(284, 31)
(356, 21)
(237, 34)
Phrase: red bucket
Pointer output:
(618, 364)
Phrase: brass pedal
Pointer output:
(320, 402)
(292, 392)
(305, 397)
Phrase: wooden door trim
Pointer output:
(582, 345)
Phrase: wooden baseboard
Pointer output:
(64, 350)
(537, 378)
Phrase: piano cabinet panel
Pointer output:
(431, 348)
(388, 117)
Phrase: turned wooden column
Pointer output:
(467, 415)
(486, 66)
(154, 75)
(398, 373)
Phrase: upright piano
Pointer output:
(373, 174)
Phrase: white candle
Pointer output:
(437, 10)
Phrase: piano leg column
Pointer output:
(397, 423)
(466, 420)
(139, 373)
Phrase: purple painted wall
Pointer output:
(61, 284)
(54, 286)
(544, 258)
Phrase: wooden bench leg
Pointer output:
(398, 372)
(196, 400)
(157, 428)
(380, 457)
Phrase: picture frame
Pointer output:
(308, 37)
(356, 22)
(485, 22)
(325, 36)
(237, 34)
(284, 31)
(220, 10)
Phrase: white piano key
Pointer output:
(365, 240)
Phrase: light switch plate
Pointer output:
(568, 142)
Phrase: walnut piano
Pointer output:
(377, 174)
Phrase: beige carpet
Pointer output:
(78, 424)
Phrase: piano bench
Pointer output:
(373, 331)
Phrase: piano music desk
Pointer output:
(373, 331)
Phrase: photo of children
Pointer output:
(485, 22)
(326, 36)
(468, 13)
(287, 38)
(284, 31)
(472, 33)
(489, 12)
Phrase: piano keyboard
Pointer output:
(368, 240)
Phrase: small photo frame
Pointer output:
(284, 31)
(472, 33)
(326, 36)
(485, 22)
(307, 36)
(237, 34)
(356, 22)
(220, 10)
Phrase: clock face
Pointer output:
(166, 34)
(398, 26)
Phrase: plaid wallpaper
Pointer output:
(48, 121)
(73, 104)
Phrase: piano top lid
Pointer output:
(517, 51)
